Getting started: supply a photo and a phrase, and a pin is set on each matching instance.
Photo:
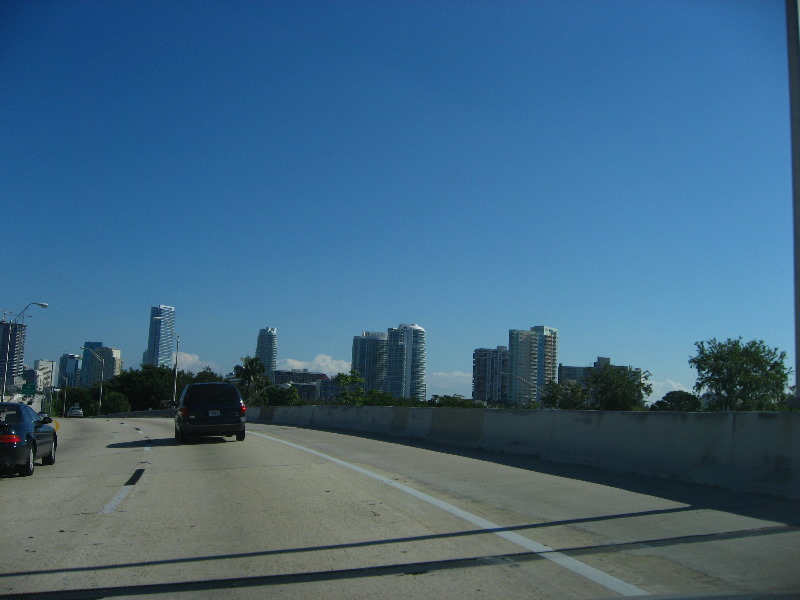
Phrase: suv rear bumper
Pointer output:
(226, 429)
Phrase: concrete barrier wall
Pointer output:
(746, 452)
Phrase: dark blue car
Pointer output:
(24, 437)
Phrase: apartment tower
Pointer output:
(405, 362)
(532, 363)
(489, 375)
(12, 350)
(267, 349)
(369, 358)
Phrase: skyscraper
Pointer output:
(489, 375)
(369, 358)
(68, 370)
(12, 350)
(90, 366)
(532, 363)
(267, 349)
(102, 367)
(161, 340)
(405, 362)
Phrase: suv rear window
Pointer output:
(210, 394)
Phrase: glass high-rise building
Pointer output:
(369, 359)
(267, 349)
(68, 370)
(161, 340)
(90, 365)
(532, 363)
(405, 362)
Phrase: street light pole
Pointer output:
(64, 402)
(175, 369)
(11, 324)
(102, 376)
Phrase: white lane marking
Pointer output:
(608, 581)
(117, 500)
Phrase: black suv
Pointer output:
(209, 409)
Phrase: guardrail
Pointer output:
(741, 451)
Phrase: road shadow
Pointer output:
(698, 496)
(160, 442)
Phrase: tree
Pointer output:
(569, 395)
(454, 401)
(251, 374)
(278, 395)
(351, 388)
(617, 388)
(678, 401)
(207, 376)
(114, 402)
(737, 376)
(378, 398)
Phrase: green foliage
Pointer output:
(251, 375)
(377, 398)
(351, 388)
(278, 395)
(678, 401)
(613, 387)
(114, 402)
(454, 401)
(79, 396)
(206, 376)
(150, 387)
(569, 395)
(739, 376)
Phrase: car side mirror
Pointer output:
(46, 420)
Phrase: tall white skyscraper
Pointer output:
(369, 358)
(405, 362)
(532, 363)
(161, 340)
(267, 349)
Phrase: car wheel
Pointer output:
(50, 459)
(240, 436)
(26, 470)
(179, 437)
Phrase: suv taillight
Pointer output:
(242, 409)
(10, 439)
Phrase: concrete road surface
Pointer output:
(126, 512)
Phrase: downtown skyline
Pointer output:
(618, 170)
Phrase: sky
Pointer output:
(617, 170)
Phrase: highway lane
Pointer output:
(293, 513)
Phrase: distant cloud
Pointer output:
(448, 384)
(322, 363)
(193, 363)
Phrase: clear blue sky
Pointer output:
(618, 170)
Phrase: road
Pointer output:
(291, 513)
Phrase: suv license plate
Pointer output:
(213, 413)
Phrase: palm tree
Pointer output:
(250, 372)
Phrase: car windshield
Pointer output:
(210, 394)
